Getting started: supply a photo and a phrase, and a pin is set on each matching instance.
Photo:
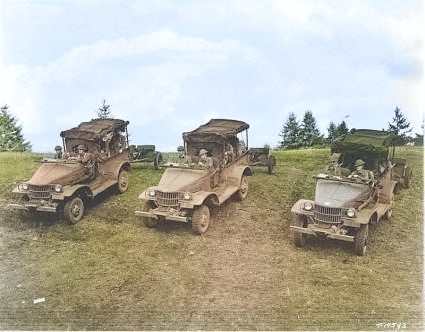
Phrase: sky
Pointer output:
(169, 66)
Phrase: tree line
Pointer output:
(294, 134)
(305, 133)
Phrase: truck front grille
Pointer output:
(327, 216)
(167, 200)
(40, 192)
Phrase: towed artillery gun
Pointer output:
(213, 169)
(262, 157)
(145, 154)
(95, 157)
(347, 202)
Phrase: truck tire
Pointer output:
(201, 219)
(243, 189)
(300, 239)
(149, 222)
(360, 240)
(122, 183)
(271, 163)
(74, 210)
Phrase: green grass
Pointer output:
(111, 272)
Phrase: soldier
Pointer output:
(58, 152)
(229, 154)
(204, 160)
(361, 173)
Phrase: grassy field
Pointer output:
(110, 272)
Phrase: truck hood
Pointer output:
(57, 173)
(183, 179)
(340, 194)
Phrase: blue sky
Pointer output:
(170, 66)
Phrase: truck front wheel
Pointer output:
(201, 219)
(149, 222)
(360, 240)
(299, 238)
(74, 210)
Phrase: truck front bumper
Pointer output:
(328, 233)
(157, 214)
(52, 207)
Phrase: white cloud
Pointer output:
(169, 67)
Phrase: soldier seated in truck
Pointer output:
(204, 159)
(361, 173)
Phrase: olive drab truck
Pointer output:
(355, 192)
(214, 168)
(95, 157)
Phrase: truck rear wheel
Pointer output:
(243, 189)
(74, 210)
(122, 184)
(360, 240)
(201, 219)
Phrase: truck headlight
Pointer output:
(308, 206)
(58, 188)
(23, 187)
(351, 213)
(151, 192)
(187, 196)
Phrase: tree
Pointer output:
(11, 138)
(103, 112)
(399, 128)
(309, 133)
(332, 135)
(341, 130)
(290, 133)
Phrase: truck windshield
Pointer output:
(338, 193)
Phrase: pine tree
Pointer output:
(290, 133)
(103, 112)
(399, 128)
(309, 133)
(11, 138)
(332, 135)
(341, 130)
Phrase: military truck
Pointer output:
(348, 201)
(95, 157)
(214, 169)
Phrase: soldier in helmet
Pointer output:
(204, 159)
(361, 173)
(58, 152)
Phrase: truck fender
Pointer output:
(297, 207)
(124, 165)
(202, 197)
(72, 190)
(236, 174)
(365, 215)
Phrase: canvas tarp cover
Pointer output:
(369, 145)
(95, 129)
(216, 127)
